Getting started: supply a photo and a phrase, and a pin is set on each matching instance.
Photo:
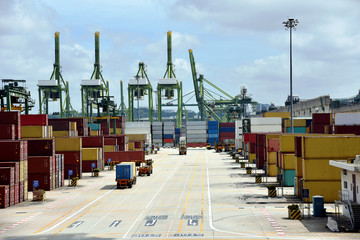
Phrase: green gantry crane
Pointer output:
(169, 84)
(137, 88)
(122, 108)
(14, 95)
(55, 88)
(217, 103)
(95, 91)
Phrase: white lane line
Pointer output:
(137, 219)
(80, 210)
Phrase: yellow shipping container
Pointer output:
(73, 126)
(271, 158)
(272, 170)
(136, 137)
(328, 189)
(22, 171)
(94, 133)
(330, 147)
(287, 143)
(26, 190)
(72, 144)
(61, 134)
(50, 131)
(118, 131)
(319, 169)
(91, 154)
(131, 146)
(252, 157)
(277, 114)
(109, 148)
(298, 167)
(34, 131)
(296, 122)
(26, 170)
(134, 167)
(288, 161)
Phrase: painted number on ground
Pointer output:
(115, 223)
(193, 222)
(191, 217)
(150, 223)
(160, 217)
(146, 235)
(188, 235)
(76, 224)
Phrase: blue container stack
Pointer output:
(177, 135)
(213, 132)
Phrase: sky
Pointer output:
(235, 43)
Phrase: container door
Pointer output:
(354, 187)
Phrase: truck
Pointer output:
(125, 174)
(219, 147)
(146, 167)
(182, 146)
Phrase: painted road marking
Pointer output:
(188, 235)
(193, 222)
(75, 224)
(19, 222)
(273, 222)
(191, 217)
(115, 223)
(160, 217)
(150, 223)
(146, 235)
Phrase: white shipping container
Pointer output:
(157, 124)
(266, 121)
(266, 129)
(196, 132)
(169, 131)
(196, 127)
(157, 132)
(196, 123)
(137, 125)
(239, 143)
(347, 118)
(137, 131)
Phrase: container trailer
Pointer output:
(125, 175)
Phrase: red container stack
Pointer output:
(227, 132)
(4, 196)
(34, 120)
(320, 122)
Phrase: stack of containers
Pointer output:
(13, 154)
(239, 134)
(137, 142)
(300, 125)
(94, 129)
(321, 122)
(121, 142)
(213, 132)
(7, 186)
(169, 134)
(110, 145)
(139, 128)
(92, 153)
(35, 126)
(81, 125)
(177, 136)
(63, 128)
(347, 123)
(157, 133)
(250, 146)
(273, 146)
(317, 175)
(71, 148)
(196, 135)
(266, 125)
(286, 159)
(227, 133)
(183, 130)
(119, 125)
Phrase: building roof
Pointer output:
(343, 164)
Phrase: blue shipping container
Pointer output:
(213, 131)
(288, 178)
(213, 123)
(94, 126)
(177, 130)
(227, 129)
(215, 136)
(212, 141)
(168, 136)
(296, 129)
(124, 171)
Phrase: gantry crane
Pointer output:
(169, 84)
(217, 102)
(95, 91)
(122, 107)
(14, 95)
(137, 88)
(55, 88)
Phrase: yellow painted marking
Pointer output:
(187, 197)
(67, 213)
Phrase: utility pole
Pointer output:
(291, 24)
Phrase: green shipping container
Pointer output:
(288, 178)
(296, 129)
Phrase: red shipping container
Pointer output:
(122, 140)
(125, 156)
(273, 144)
(76, 169)
(110, 141)
(246, 138)
(81, 124)
(166, 140)
(60, 126)
(228, 135)
(34, 120)
(321, 118)
(318, 127)
(351, 129)
(4, 196)
(7, 176)
(7, 131)
(17, 132)
(298, 146)
(41, 147)
(252, 137)
(16, 166)
(71, 158)
(221, 125)
(10, 117)
(11, 195)
(45, 181)
(93, 142)
(40, 164)
(13, 150)
(86, 165)
(17, 193)
(252, 148)
(21, 192)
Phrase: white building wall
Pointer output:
(347, 184)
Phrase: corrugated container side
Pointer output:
(328, 189)
(40, 164)
(16, 166)
(322, 118)
(4, 196)
(45, 181)
(272, 170)
(288, 178)
(271, 158)
(124, 171)
(287, 143)
(288, 161)
(296, 123)
(7, 131)
(68, 144)
(34, 132)
(34, 119)
(298, 167)
(273, 144)
(41, 147)
(13, 150)
(10, 117)
(319, 169)
(277, 114)
(7, 176)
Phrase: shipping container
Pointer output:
(10, 117)
(71, 158)
(68, 144)
(271, 170)
(91, 154)
(277, 114)
(45, 181)
(288, 177)
(76, 171)
(273, 144)
(124, 171)
(271, 158)
(16, 193)
(88, 166)
(298, 167)
(4, 196)
(7, 176)
(41, 147)
(296, 123)
(34, 120)
(322, 118)
(16, 166)
(40, 164)
(7, 131)
(288, 161)
(35, 132)
(328, 189)
(319, 169)
(13, 150)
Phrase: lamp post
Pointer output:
(137, 79)
(290, 24)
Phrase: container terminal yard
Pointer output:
(104, 173)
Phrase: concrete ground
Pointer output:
(201, 195)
